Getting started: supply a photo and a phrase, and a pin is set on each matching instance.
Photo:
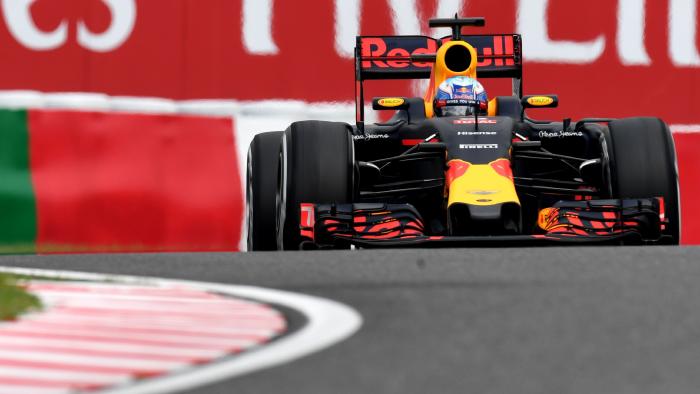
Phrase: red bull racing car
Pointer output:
(492, 177)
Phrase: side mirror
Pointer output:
(389, 103)
(540, 101)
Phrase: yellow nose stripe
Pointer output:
(482, 185)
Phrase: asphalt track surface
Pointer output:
(535, 320)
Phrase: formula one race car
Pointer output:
(492, 177)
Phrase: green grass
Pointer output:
(14, 300)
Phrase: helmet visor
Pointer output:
(457, 110)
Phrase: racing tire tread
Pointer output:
(319, 158)
(261, 186)
(643, 165)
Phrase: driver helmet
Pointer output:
(460, 88)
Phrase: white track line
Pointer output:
(328, 322)
(685, 128)
(284, 108)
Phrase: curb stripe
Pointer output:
(193, 340)
(80, 360)
(328, 322)
(89, 348)
(90, 363)
(110, 289)
(246, 326)
(98, 307)
(8, 389)
(190, 301)
(44, 369)
(194, 343)
(148, 330)
(29, 385)
(54, 372)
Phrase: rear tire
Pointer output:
(643, 165)
(316, 166)
(261, 188)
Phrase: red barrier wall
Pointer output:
(121, 182)
(687, 145)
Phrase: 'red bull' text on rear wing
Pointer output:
(412, 57)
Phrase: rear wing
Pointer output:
(411, 57)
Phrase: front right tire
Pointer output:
(643, 165)
(316, 166)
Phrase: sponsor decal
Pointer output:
(461, 101)
(391, 102)
(493, 54)
(493, 51)
(401, 49)
(462, 92)
(483, 192)
(540, 101)
(23, 28)
(478, 146)
(476, 133)
(370, 136)
(559, 134)
(472, 121)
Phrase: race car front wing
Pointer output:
(373, 225)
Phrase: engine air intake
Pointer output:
(458, 58)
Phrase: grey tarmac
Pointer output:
(591, 320)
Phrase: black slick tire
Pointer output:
(316, 166)
(261, 189)
(643, 165)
